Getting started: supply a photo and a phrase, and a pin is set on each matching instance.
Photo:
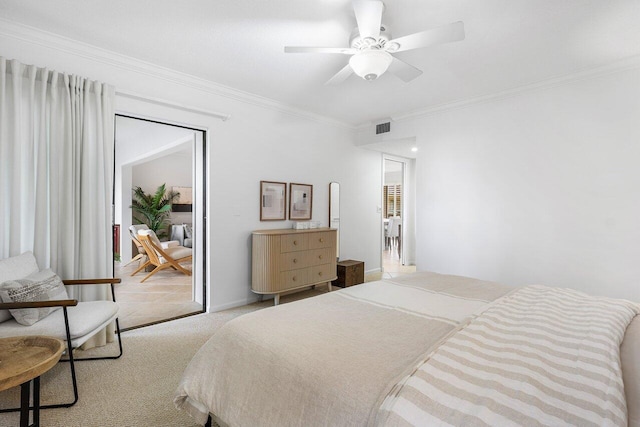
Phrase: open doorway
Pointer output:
(394, 218)
(148, 155)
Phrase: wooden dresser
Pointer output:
(288, 259)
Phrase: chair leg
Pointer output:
(107, 357)
(178, 267)
(134, 259)
(154, 271)
(143, 266)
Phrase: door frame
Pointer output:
(205, 174)
(404, 161)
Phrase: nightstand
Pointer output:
(350, 272)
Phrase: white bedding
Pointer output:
(540, 356)
(333, 359)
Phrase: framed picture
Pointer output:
(300, 201)
(273, 196)
(185, 200)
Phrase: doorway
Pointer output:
(150, 154)
(392, 213)
(394, 218)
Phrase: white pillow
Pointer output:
(17, 267)
(188, 232)
(41, 286)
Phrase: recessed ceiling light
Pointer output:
(414, 149)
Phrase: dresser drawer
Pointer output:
(294, 242)
(321, 240)
(293, 278)
(322, 273)
(294, 260)
(319, 256)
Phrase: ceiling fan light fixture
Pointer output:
(370, 64)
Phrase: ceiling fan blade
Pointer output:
(340, 76)
(304, 49)
(369, 17)
(403, 71)
(447, 33)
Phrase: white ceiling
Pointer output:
(239, 43)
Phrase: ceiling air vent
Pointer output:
(383, 128)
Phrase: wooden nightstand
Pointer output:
(350, 272)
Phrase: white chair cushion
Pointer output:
(170, 244)
(85, 320)
(44, 285)
(17, 267)
(177, 252)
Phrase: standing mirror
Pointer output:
(334, 212)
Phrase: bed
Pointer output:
(422, 349)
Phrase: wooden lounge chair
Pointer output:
(162, 258)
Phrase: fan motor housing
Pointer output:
(359, 43)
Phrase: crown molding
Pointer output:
(60, 43)
(629, 63)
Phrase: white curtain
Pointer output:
(56, 173)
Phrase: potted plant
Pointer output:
(154, 209)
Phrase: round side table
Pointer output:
(23, 359)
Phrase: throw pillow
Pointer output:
(188, 232)
(13, 268)
(41, 286)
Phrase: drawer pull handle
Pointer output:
(295, 260)
(295, 242)
(293, 279)
(321, 240)
(319, 256)
(319, 273)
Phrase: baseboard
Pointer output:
(375, 270)
(233, 304)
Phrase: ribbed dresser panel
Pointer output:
(265, 271)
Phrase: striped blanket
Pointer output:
(538, 357)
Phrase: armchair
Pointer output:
(75, 323)
(142, 254)
(163, 258)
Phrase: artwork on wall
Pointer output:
(300, 201)
(185, 200)
(273, 196)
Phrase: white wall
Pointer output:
(541, 187)
(261, 141)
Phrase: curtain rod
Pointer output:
(139, 97)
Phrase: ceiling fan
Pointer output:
(371, 45)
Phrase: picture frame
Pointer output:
(273, 197)
(185, 200)
(300, 201)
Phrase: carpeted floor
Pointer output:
(137, 389)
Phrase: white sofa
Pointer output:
(183, 233)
